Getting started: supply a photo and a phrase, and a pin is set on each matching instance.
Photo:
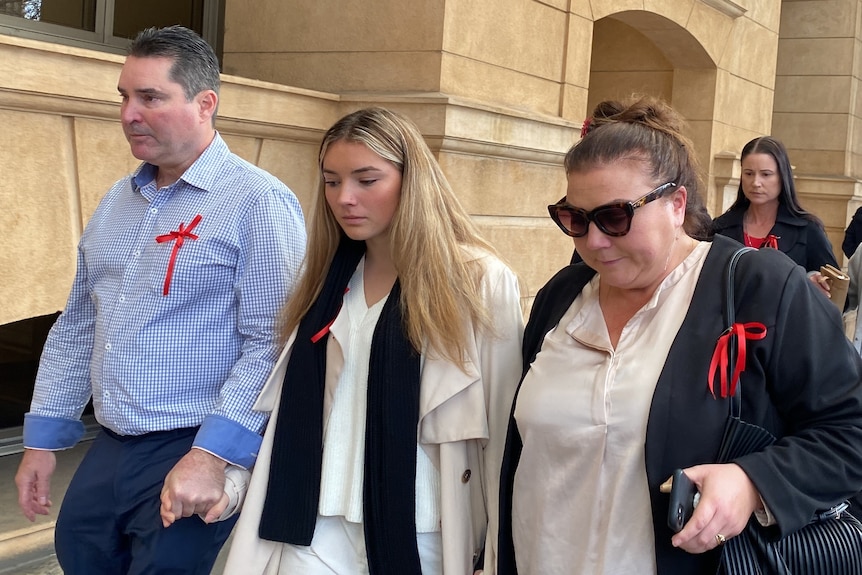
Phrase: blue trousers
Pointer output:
(109, 521)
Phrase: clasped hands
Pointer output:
(195, 485)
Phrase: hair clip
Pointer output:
(585, 128)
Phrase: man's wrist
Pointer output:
(209, 456)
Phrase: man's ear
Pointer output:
(207, 104)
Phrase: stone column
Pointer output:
(817, 106)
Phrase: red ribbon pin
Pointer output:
(177, 236)
(720, 357)
(771, 241)
(325, 330)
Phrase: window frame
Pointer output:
(102, 39)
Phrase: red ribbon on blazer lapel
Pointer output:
(316, 337)
(771, 241)
(720, 357)
(178, 236)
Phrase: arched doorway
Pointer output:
(639, 52)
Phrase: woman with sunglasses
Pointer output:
(767, 213)
(616, 392)
(389, 403)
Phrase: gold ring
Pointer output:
(720, 538)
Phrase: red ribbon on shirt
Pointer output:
(177, 236)
(720, 357)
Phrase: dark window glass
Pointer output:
(78, 14)
(131, 16)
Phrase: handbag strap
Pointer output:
(730, 319)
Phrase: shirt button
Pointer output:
(153, 210)
(108, 346)
(137, 253)
(466, 476)
(122, 298)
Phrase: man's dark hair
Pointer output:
(195, 66)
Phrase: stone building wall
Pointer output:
(499, 89)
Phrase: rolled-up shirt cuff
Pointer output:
(228, 440)
(51, 433)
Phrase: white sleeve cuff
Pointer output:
(235, 487)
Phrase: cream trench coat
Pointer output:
(462, 427)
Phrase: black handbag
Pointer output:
(830, 545)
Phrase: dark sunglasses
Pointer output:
(612, 219)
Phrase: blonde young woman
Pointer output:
(390, 401)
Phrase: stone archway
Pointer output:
(645, 53)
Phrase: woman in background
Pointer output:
(389, 403)
(767, 213)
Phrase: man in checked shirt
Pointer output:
(170, 326)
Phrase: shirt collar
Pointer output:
(200, 174)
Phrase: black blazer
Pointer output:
(803, 382)
(853, 234)
(801, 239)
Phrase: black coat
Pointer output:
(803, 382)
(803, 240)
(853, 234)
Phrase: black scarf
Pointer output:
(389, 494)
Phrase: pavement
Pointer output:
(28, 548)
(47, 566)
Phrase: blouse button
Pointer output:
(466, 476)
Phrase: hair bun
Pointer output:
(604, 113)
(646, 110)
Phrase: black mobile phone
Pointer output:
(683, 500)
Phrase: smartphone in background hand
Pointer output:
(683, 500)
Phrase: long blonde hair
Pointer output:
(440, 285)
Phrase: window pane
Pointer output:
(132, 16)
(78, 14)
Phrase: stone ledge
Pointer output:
(727, 7)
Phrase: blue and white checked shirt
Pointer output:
(197, 356)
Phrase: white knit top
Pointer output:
(344, 435)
